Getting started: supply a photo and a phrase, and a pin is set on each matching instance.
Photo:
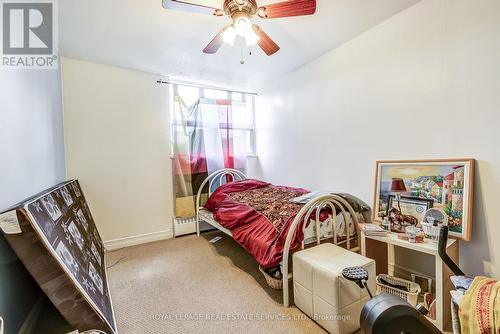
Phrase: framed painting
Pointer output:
(413, 206)
(446, 184)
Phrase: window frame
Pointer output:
(251, 147)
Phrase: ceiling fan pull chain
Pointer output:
(242, 61)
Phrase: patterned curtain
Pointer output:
(207, 136)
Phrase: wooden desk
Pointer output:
(443, 284)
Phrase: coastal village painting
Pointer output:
(445, 185)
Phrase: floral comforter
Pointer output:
(258, 214)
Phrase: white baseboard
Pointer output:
(138, 239)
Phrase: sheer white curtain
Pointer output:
(209, 135)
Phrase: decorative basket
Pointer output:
(411, 296)
(274, 283)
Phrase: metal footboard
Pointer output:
(316, 204)
(311, 209)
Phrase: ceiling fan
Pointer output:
(241, 13)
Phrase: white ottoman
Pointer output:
(323, 294)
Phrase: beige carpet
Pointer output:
(187, 285)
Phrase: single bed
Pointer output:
(241, 208)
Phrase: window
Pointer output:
(245, 126)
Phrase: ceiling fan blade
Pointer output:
(215, 44)
(265, 42)
(197, 6)
(287, 8)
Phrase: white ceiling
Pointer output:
(140, 34)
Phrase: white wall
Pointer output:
(31, 136)
(31, 160)
(117, 144)
(423, 84)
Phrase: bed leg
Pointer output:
(286, 303)
(197, 224)
(284, 274)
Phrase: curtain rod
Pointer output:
(204, 86)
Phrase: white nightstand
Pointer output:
(442, 273)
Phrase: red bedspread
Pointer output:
(258, 215)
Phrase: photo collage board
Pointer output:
(67, 224)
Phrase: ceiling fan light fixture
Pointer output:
(229, 35)
(252, 38)
(243, 26)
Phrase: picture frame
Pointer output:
(414, 206)
(447, 183)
